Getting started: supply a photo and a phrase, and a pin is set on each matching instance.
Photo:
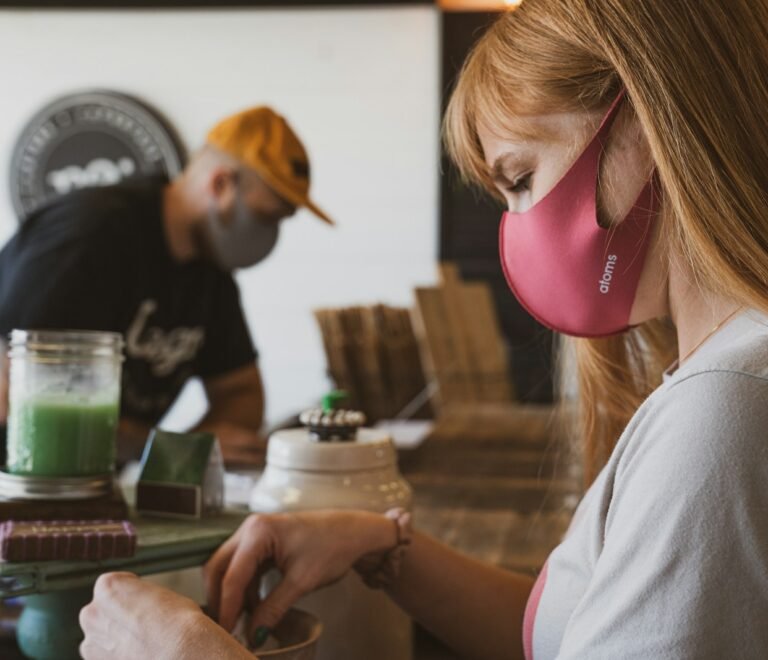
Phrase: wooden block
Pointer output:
(109, 507)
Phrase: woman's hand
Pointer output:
(310, 549)
(130, 619)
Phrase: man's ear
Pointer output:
(221, 185)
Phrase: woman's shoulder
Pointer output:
(727, 402)
(740, 348)
(699, 450)
(707, 426)
(722, 390)
(704, 431)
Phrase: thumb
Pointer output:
(270, 611)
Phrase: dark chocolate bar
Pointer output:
(45, 540)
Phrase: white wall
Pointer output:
(360, 86)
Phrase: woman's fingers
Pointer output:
(214, 570)
(253, 590)
(102, 636)
(310, 550)
(254, 546)
(98, 646)
(89, 618)
(114, 592)
(273, 608)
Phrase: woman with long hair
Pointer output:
(628, 141)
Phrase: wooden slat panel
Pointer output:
(438, 346)
(489, 355)
(462, 346)
(465, 353)
(372, 353)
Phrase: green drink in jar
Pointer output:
(64, 402)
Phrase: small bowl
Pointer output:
(297, 634)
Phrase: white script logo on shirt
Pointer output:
(163, 350)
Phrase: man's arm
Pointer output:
(132, 435)
(235, 415)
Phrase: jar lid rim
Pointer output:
(66, 337)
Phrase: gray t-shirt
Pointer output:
(667, 553)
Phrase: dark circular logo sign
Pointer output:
(93, 138)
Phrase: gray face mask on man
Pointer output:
(245, 240)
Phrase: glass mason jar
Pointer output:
(64, 399)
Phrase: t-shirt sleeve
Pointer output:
(60, 277)
(683, 572)
(228, 345)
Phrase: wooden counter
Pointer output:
(496, 483)
(493, 482)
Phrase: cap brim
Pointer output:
(317, 211)
(290, 195)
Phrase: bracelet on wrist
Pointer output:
(380, 569)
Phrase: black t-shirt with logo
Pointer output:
(98, 259)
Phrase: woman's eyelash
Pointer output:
(520, 184)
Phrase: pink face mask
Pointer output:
(569, 273)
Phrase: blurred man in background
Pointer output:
(153, 259)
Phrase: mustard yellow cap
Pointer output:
(263, 140)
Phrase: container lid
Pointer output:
(295, 449)
(25, 487)
(56, 344)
